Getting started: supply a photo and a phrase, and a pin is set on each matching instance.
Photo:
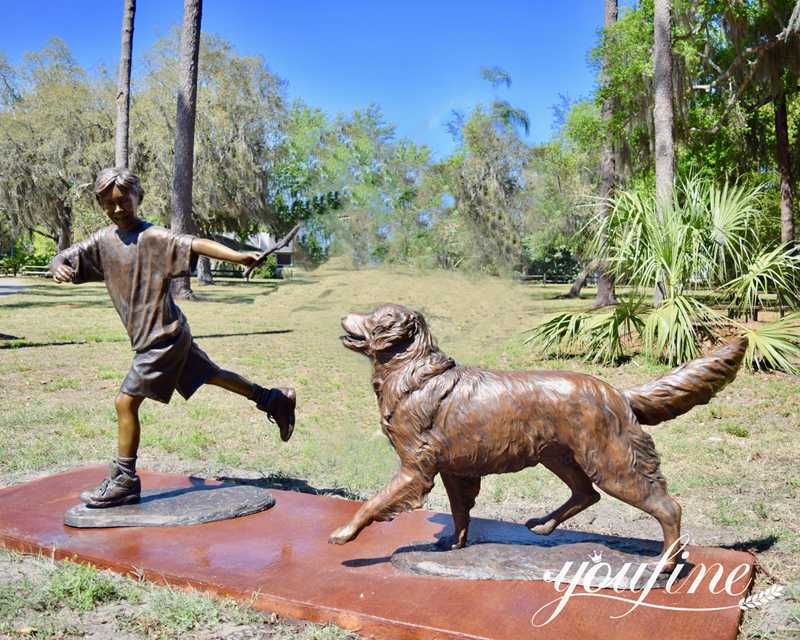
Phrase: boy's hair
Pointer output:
(121, 177)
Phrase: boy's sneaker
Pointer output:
(278, 404)
(117, 489)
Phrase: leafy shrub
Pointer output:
(269, 270)
(22, 255)
(706, 245)
(602, 335)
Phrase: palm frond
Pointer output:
(733, 211)
(559, 334)
(496, 76)
(775, 345)
(708, 233)
(674, 331)
(771, 271)
(607, 334)
(509, 116)
(598, 337)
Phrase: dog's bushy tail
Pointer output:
(689, 385)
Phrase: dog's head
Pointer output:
(387, 332)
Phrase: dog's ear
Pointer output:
(416, 324)
(393, 329)
(422, 334)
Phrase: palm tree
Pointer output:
(124, 85)
(182, 220)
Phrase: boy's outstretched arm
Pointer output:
(80, 263)
(61, 271)
(211, 249)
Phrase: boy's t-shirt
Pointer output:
(137, 267)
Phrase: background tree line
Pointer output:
(498, 203)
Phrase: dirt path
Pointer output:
(11, 285)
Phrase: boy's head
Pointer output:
(119, 193)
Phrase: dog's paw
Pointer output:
(342, 535)
(542, 526)
(459, 541)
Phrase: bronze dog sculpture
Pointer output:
(465, 423)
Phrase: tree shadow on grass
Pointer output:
(51, 291)
(27, 345)
(224, 298)
(72, 303)
(227, 300)
(298, 282)
(86, 298)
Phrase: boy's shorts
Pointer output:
(175, 363)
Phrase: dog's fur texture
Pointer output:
(464, 423)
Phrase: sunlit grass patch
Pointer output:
(287, 333)
(79, 586)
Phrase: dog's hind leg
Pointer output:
(651, 497)
(462, 492)
(405, 491)
(583, 494)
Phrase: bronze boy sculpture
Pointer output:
(137, 261)
(465, 423)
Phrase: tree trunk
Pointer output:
(605, 289)
(785, 170)
(182, 220)
(124, 85)
(580, 281)
(662, 113)
(65, 228)
(608, 174)
(204, 276)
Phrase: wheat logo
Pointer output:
(758, 600)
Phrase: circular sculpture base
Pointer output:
(487, 560)
(179, 506)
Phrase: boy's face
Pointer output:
(120, 206)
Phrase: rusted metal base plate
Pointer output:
(176, 506)
(280, 561)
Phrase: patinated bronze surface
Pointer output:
(464, 423)
(137, 261)
(176, 506)
(520, 560)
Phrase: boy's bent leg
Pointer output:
(122, 486)
(278, 403)
(233, 382)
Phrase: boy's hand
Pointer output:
(63, 273)
(249, 258)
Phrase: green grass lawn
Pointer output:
(733, 464)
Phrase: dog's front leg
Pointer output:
(462, 492)
(404, 492)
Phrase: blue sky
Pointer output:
(417, 60)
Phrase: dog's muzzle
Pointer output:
(355, 334)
